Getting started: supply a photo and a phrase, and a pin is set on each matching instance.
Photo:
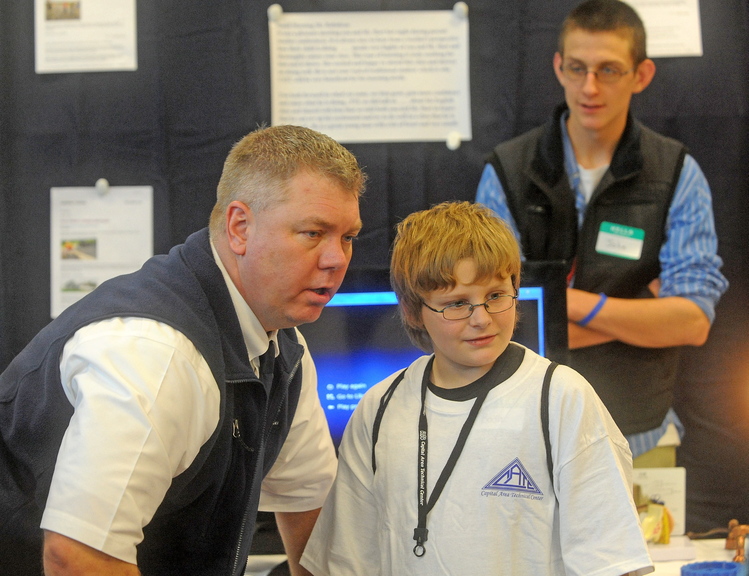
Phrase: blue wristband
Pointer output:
(596, 310)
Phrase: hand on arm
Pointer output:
(66, 557)
(295, 528)
(646, 322)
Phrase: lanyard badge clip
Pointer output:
(420, 535)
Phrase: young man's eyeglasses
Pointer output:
(462, 310)
(578, 72)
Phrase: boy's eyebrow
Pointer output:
(460, 295)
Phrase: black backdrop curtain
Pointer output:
(203, 81)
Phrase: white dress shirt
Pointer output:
(145, 402)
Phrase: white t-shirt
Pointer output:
(145, 402)
(589, 179)
(498, 513)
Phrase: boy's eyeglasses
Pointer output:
(462, 310)
(605, 74)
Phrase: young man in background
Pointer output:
(629, 211)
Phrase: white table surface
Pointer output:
(707, 550)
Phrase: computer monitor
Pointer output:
(359, 340)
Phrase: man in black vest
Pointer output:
(629, 211)
(145, 426)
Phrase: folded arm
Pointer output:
(645, 322)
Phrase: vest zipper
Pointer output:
(245, 518)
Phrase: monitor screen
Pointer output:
(359, 340)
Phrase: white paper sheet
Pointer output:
(672, 26)
(390, 76)
(95, 236)
(667, 485)
(85, 35)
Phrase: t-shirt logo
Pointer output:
(514, 478)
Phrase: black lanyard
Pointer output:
(425, 505)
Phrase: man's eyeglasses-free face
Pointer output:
(578, 72)
(461, 310)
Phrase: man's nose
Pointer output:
(590, 84)
(335, 254)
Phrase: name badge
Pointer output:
(620, 241)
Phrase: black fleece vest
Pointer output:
(636, 384)
(205, 523)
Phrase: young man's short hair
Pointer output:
(430, 243)
(260, 165)
(607, 16)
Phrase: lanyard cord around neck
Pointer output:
(424, 506)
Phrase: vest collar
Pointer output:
(548, 162)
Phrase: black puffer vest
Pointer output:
(635, 384)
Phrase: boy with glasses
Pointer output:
(629, 211)
(479, 458)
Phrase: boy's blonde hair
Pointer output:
(259, 167)
(428, 245)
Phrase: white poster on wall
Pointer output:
(96, 233)
(389, 76)
(672, 26)
(85, 36)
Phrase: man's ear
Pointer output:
(644, 75)
(558, 66)
(239, 220)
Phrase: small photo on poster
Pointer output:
(63, 11)
(84, 249)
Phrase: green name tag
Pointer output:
(620, 241)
